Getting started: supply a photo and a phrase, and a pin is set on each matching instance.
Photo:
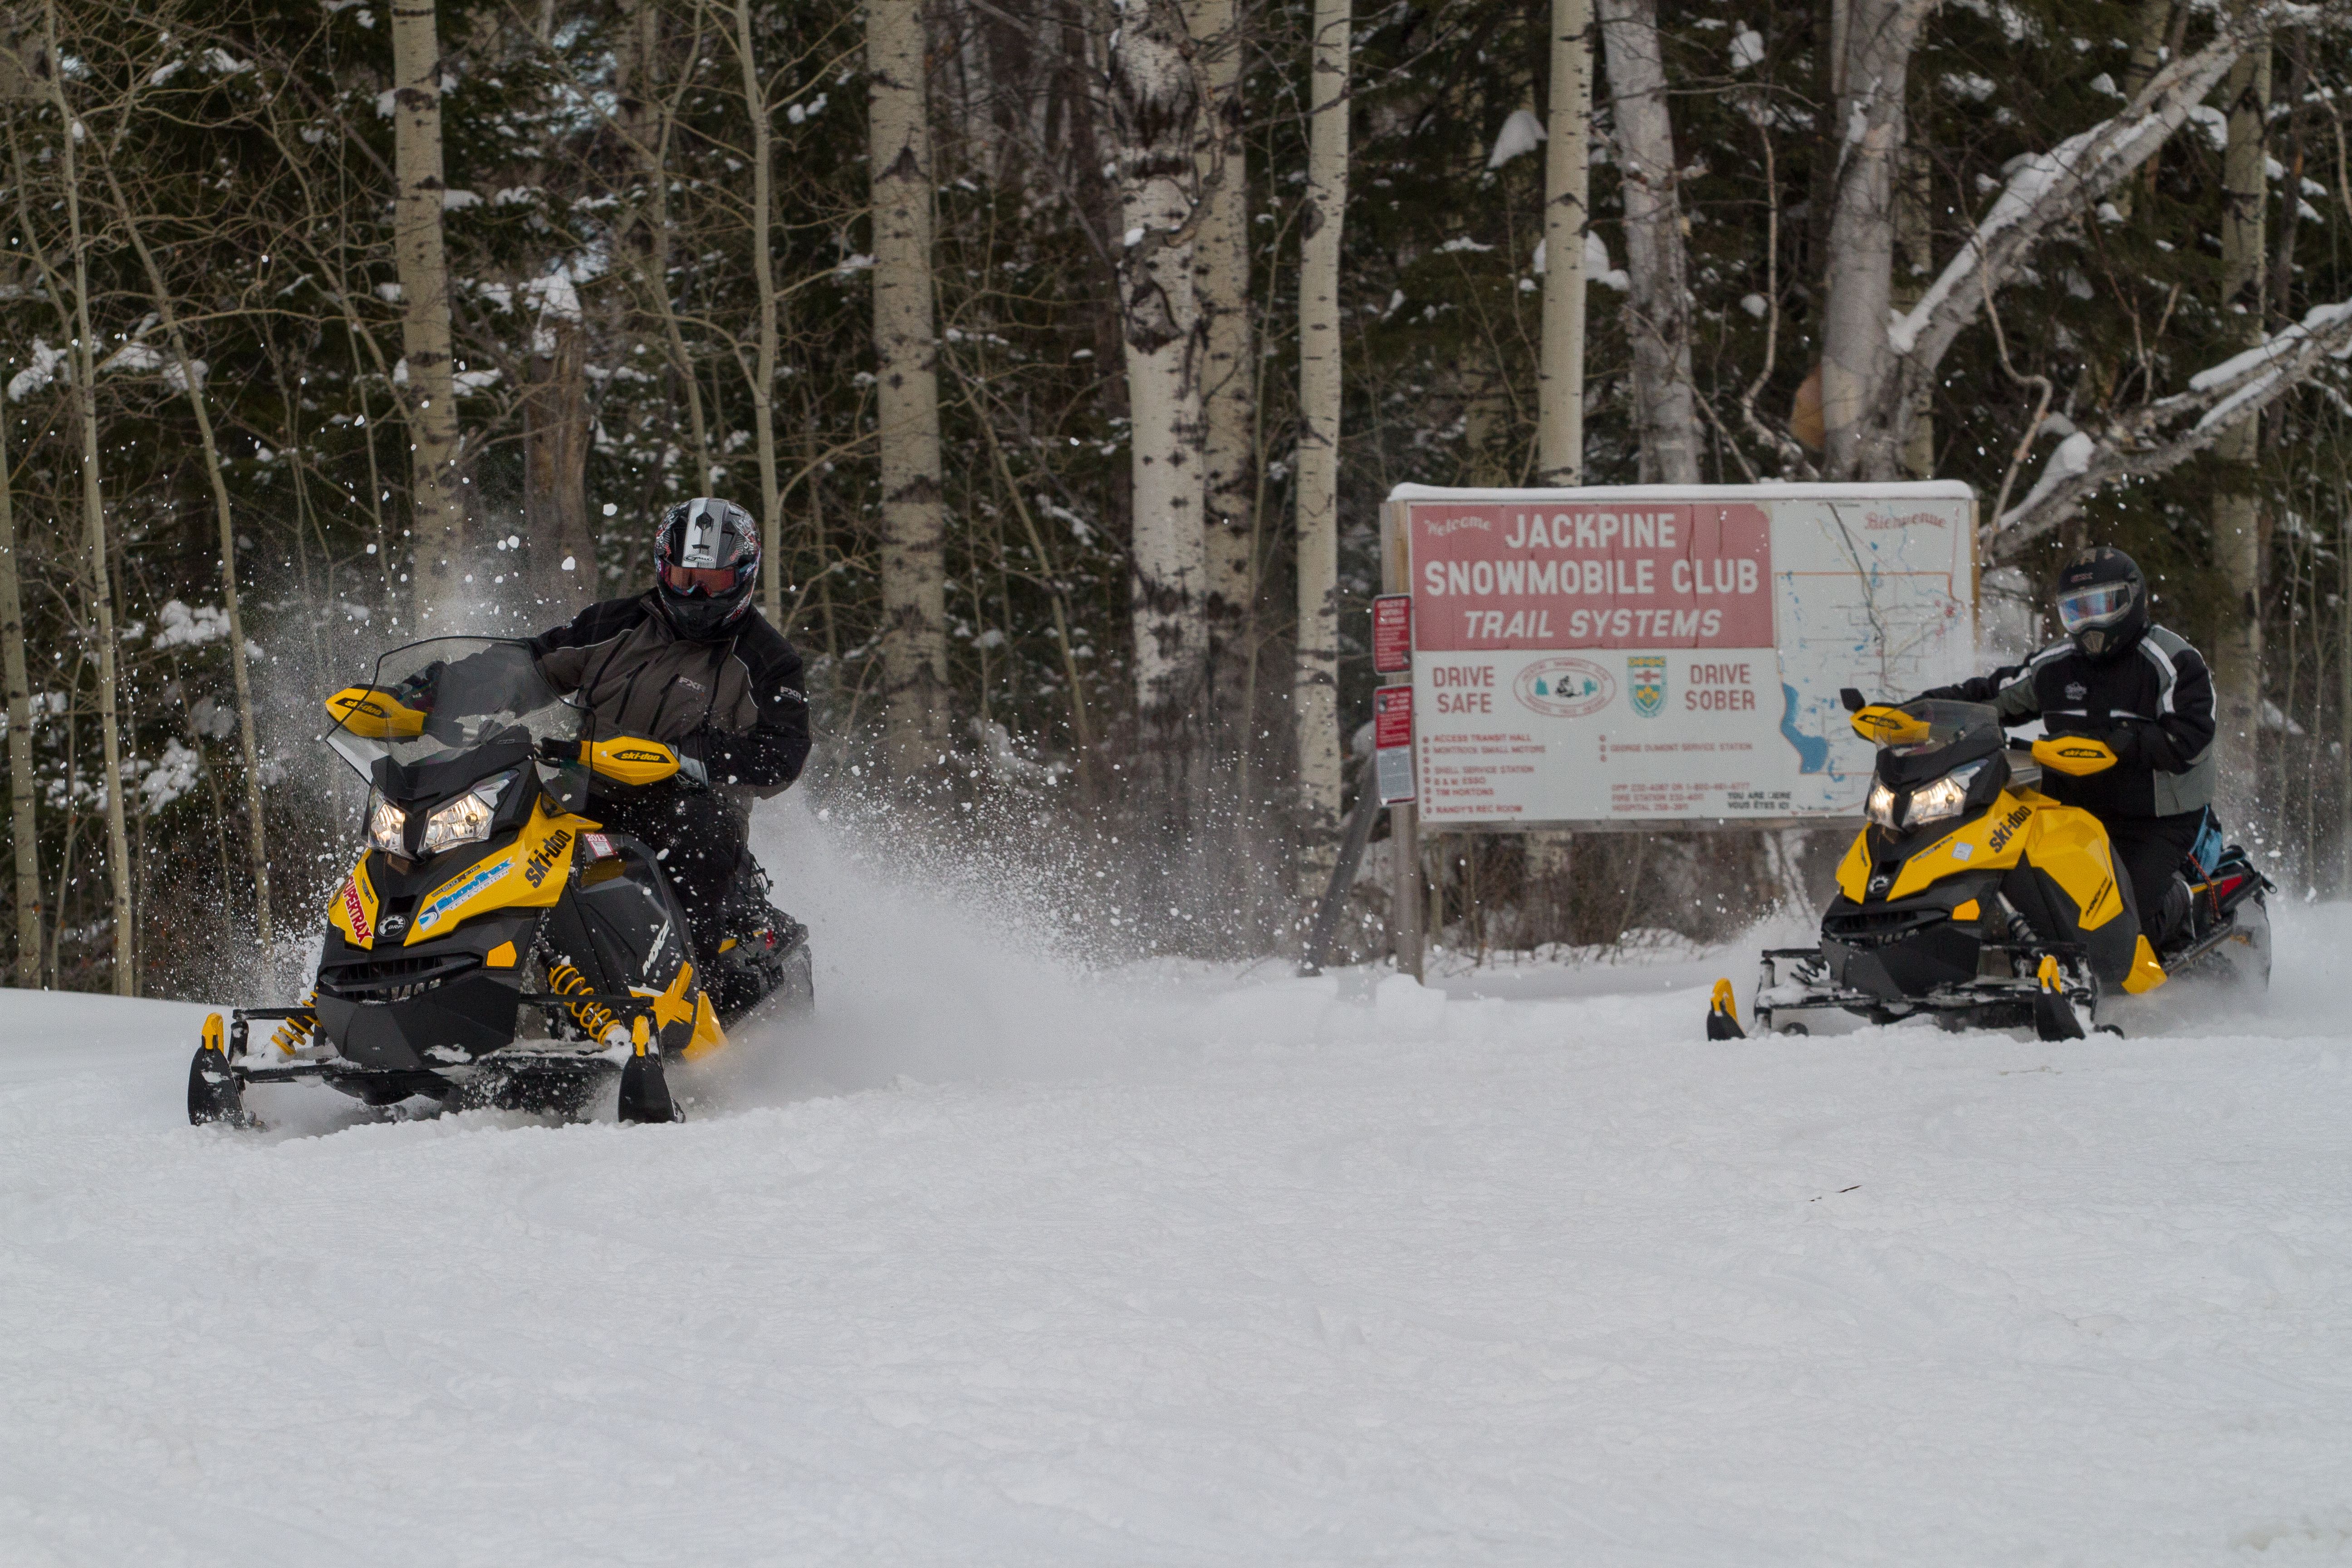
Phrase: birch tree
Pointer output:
(25, 838)
(1568, 218)
(430, 403)
(762, 376)
(1657, 262)
(1315, 700)
(1155, 105)
(1222, 272)
(84, 394)
(2237, 508)
(907, 392)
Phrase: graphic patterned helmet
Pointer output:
(2103, 602)
(706, 558)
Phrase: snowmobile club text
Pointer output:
(1606, 575)
(1706, 687)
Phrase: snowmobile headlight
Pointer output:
(387, 826)
(1880, 808)
(467, 819)
(1948, 796)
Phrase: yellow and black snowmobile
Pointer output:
(1972, 897)
(484, 902)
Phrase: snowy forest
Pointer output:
(1066, 350)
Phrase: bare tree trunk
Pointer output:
(192, 379)
(1857, 361)
(2147, 54)
(1221, 271)
(93, 505)
(907, 395)
(555, 460)
(1568, 217)
(1656, 257)
(1314, 701)
(431, 405)
(1915, 260)
(2237, 519)
(26, 841)
(1155, 103)
(763, 277)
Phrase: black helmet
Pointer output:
(706, 556)
(2103, 602)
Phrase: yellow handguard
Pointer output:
(376, 714)
(2076, 756)
(629, 760)
(1884, 726)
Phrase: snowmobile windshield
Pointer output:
(433, 706)
(1958, 733)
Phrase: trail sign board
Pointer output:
(1645, 655)
(1393, 634)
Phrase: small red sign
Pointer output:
(1392, 743)
(1391, 633)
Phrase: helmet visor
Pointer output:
(2101, 604)
(710, 582)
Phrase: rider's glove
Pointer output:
(690, 765)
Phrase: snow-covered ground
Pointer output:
(1005, 1263)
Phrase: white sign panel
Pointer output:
(1653, 654)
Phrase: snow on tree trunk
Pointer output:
(763, 279)
(1857, 361)
(1222, 276)
(1559, 370)
(1155, 104)
(1657, 261)
(906, 392)
(429, 402)
(2237, 519)
(1315, 695)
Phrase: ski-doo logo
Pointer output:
(356, 911)
(2008, 828)
(534, 871)
(430, 916)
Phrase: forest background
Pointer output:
(1066, 350)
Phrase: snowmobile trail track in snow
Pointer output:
(1249, 1273)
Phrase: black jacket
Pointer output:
(2153, 702)
(737, 703)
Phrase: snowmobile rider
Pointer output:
(690, 663)
(2145, 692)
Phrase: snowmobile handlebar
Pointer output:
(628, 760)
(2077, 756)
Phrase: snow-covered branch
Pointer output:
(2158, 437)
(2050, 188)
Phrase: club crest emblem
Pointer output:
(1565, 687)
(1646, 677)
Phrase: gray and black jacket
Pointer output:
(2153, 702)
(736, 704)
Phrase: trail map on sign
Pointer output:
(1646, 654)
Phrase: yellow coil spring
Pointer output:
(591, 1016)
(291, 1034)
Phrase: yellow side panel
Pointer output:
(529, 874)
(2070, 844)
(502, 956)
(1853, 871)
(354, 906)
(1991, 843)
